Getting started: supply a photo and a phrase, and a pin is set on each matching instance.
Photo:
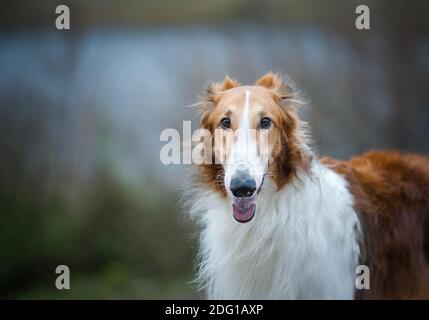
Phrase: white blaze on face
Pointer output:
(244, 155)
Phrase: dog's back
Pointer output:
(391, 192)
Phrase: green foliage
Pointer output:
(118, 242)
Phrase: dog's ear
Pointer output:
(283, 92)
(211, 98)
(216, 88)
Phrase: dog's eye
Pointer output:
(226, 123)
(265, 123)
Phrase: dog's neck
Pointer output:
(300, 244)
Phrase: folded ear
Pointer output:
(216, 88)
(211, 97)
(275, 83)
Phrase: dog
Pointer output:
(282, 223)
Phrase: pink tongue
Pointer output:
(243, 209)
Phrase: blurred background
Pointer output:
(81, 112)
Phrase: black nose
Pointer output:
(242, 185)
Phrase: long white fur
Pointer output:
(301, 244)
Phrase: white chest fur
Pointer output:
(301, 244)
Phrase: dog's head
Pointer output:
(256, 136)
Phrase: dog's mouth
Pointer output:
(243, 208)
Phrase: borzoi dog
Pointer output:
(276, 222)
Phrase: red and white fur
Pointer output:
(315, 220)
